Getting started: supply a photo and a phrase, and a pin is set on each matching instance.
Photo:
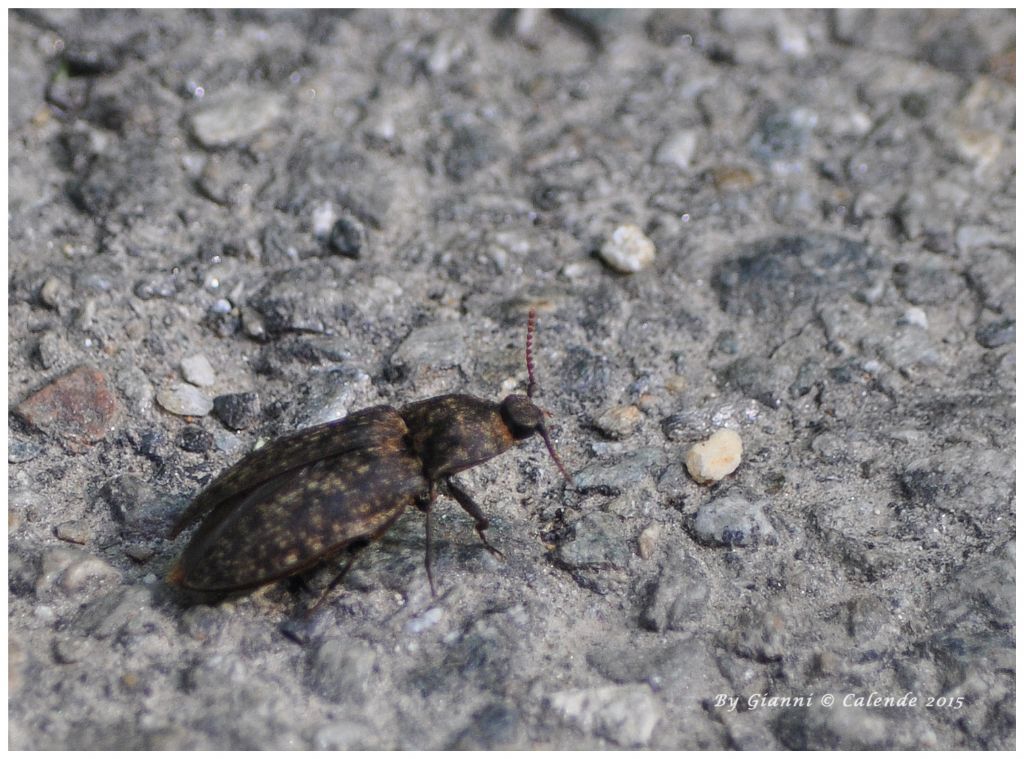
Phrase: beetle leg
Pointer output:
(466, 502)
(334, 583)
(423, 504)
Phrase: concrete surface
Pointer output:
(303, 214)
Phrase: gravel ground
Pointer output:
(226, 226)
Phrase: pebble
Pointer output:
(54, 292)
(437, 346)
(619, 422)
(252, 323)
(71, 569)
(74, 531)
(623, 714)
(184, 400)
(78, 407)
(997, 333)
(136, 503)
(599, 543)
(619, 473)
(53, 350)
(678, 598)
(628, 250)
(195, 439)
(715, 458)
(677, 150)
(341, 670)
(914, 317)
(197, 371)
(236, 119)
(648, 541)
(237, 411)
(732, 520)
(20, 451)
(347, 237)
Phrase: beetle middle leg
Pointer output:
(423, 503)
(470, 506)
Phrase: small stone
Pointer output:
(715, 458)
(648, 541)
(678, 598)
(624, 714)
(435, 346)
(997, 333)
(79, 407)
(74, 531)
(252, 324)
(184, 400)
(347, 237)
(53, 350)
(732, 178)
(237, 411)
(599, 543)
(619, 422)
(628, 250)
(71, 569)
(124, 612)
(135, 503)
(677, 150)
(54, 293)
(341, 670)
(195, 439)
(732, 520)
(20, 451)
(914, 317)
(197, 371)
(619, 473)
(236, 119)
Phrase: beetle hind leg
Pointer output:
(470, 506)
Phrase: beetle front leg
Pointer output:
(469, 505)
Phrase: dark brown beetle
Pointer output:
(309, 496)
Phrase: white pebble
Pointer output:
(677, 150)
(628, 250)
(197, 371)
(716, 457)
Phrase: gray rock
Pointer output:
(495, 726)
(773, 276)
(184, 400)
(624, 714)
(72, 570)
(236, 118)
(342, 670)
(600, 541)
(997, 333)
(196, 370)
(678, 598)
(237, 411)
(436, 346)
(619, 473)
(732, 520)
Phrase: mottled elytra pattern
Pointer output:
(299, 515)
(308, 496)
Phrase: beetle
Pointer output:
(307, 497)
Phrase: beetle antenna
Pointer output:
(554, 456)
(531, 326)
